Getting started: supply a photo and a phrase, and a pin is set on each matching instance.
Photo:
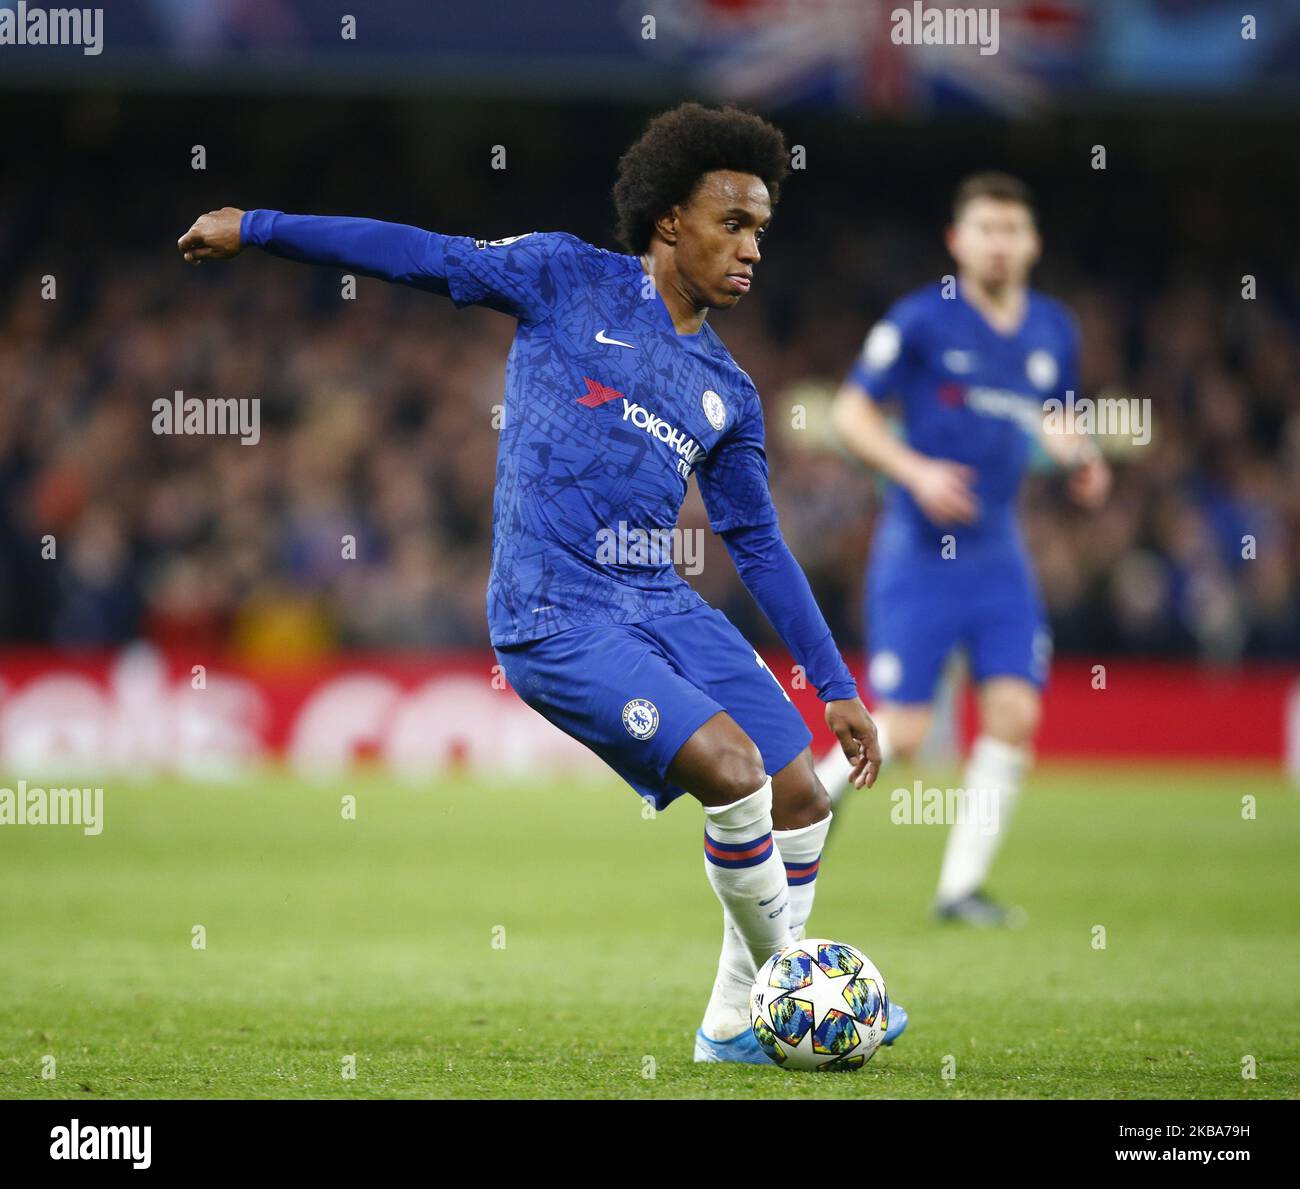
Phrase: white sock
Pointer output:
(833, 768)
(727, 1014)
(744, 867)
(801, 852)
(992, 784)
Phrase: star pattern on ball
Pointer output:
(823, 994)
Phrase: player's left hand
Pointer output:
(853, 727)
(1090, 482)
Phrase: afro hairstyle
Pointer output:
(676, 149)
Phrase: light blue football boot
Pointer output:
(743, 1048)
(897, 1023)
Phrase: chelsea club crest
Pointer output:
(641, 718)
(714, 409)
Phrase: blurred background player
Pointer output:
(970, 360)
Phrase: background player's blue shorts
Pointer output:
(920, 606)
(634, 693)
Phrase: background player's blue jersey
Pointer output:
(975, 396)
(969, 394)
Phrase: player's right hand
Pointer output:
(857, 736)
(214, 236)
(943, 491)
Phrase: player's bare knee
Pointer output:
(799, 799)
(737, 772)
(905, 751)
(904, 727)
(905, 741)
(1013, 720)
(1018, 730)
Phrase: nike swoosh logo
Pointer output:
(765, 903)
(601, 337)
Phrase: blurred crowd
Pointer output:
(379, 425)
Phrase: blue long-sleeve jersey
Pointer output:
(608, 413)
(971, 394)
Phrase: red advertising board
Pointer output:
(143, 711)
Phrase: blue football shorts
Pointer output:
(634, 693)
(919, 608)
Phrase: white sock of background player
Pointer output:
(994, 774)
(727, 1014)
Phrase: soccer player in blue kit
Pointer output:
(971, 365)
(617, 391)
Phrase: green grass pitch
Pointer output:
(488, 938)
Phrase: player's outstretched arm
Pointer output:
(780, 588)
(523, 275)
(391, 251)
(941, 488)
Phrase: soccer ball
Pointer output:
(819, 1004)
